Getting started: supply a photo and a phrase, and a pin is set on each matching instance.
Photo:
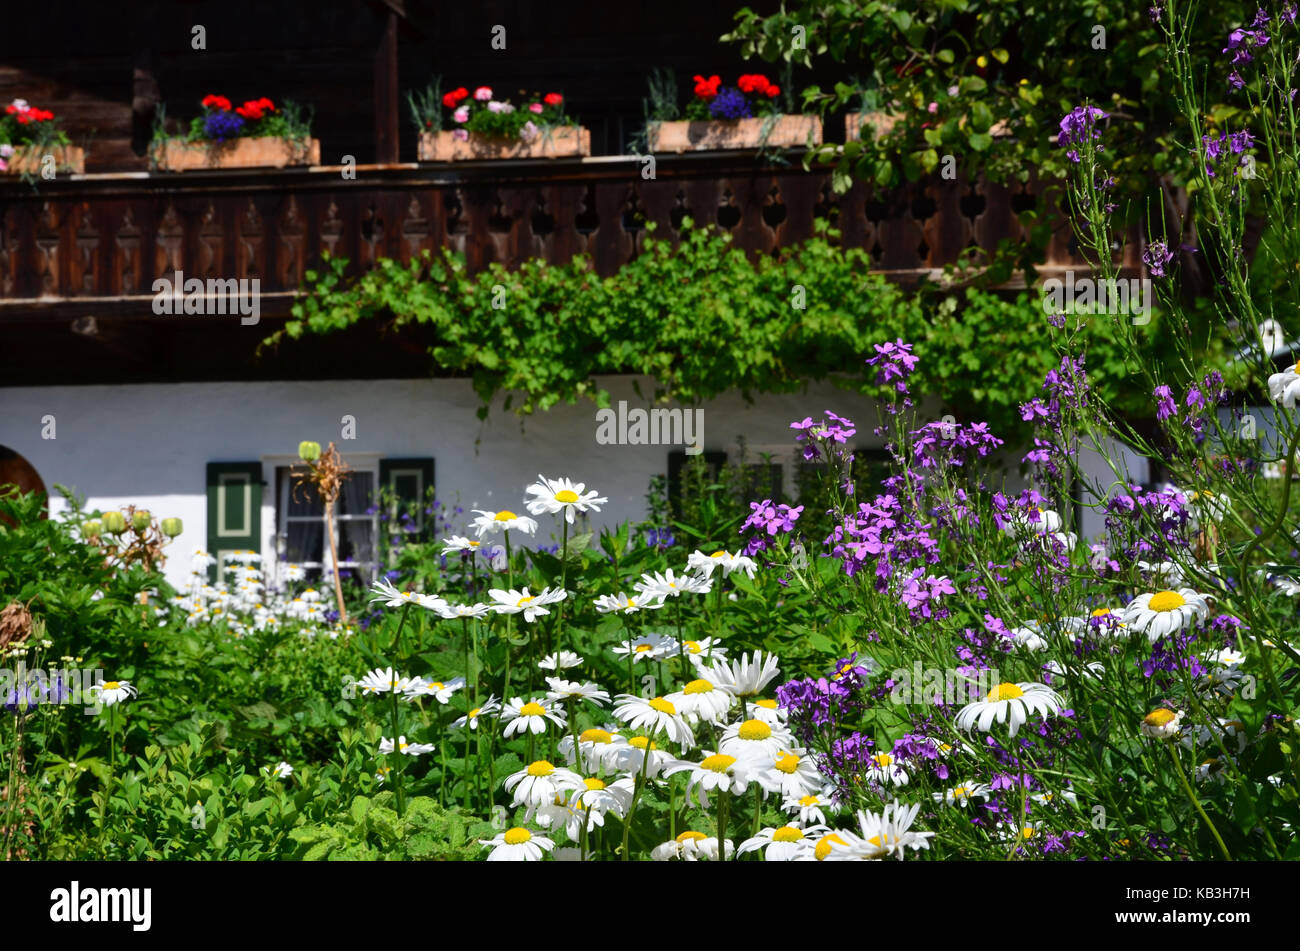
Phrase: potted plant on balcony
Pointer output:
(28, 135)
(257, 134)
(753, 114)
(484, 126)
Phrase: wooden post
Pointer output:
(386, 95)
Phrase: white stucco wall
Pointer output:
(149, 444)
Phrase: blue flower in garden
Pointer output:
(729, 103)
(393, 574)
(220, 126)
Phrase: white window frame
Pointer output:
(274, 514)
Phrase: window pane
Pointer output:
(358, 493)
(357, 540)
(305, 541)
(300, 500)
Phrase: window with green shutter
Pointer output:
(234, 509)
(408, 480)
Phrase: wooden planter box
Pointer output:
(883, 124)
(27, 159)
(686, 136)
(176, 155)
(556, 143)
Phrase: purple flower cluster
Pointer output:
(920, 595)
(1157, 257)
(1243, 44)
(730, 103)
(1128, 515)
(220, 126)
(894, 363)
(822, 439)
(881, 532)
(1221, 149)
(1170, 655)
(1079, 129)
(817, 706)
(766, 521)
(939, 444)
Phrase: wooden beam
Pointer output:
(387, 109)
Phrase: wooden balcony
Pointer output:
(82, 252)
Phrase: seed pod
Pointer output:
(171, 527)
(140, 520)
(310, 451)
(114, 522)
(92, 527)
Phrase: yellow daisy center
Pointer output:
(718, 762)
(567, 496)
(663, 706)
(517, 836)
(595, 735)
(532, 709)
(960, 792)
(787, 763)
(688, 835)
(1158, 718)
(643, 648)
(540, 768)
(110, 684)
(1027, 832)
(765, 704)
(1166, 601)
(692, 646)
(754, 730)
(640, 742)
(809, 800)
(883, 759)
(1101, 612)
(594, 783)
(523, 601)
(787, 834)
(1006, 691)
(719, 554)
(698, 686)
(475, 712)
(825, 845)
(506, 516)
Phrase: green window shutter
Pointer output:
(234, 508)
(714, 459)
(409, 480)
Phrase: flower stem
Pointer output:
(1191, 797)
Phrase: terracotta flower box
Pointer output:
(27, 159)
(555, 143)
(687, 136)
(176, 155)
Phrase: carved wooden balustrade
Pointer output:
(89, 248)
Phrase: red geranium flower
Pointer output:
(41, 115)
(216, 102)
(461, 93)
(450, 100)
(755, 82)
(251, 110)
(266, 104)
(552, 99)
(707, 88)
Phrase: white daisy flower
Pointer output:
(754, 740)
(1051, 798)
(552, 496)
(1288, 585)
(589, 804)
(111, 692)
(655, 715)
(594, 744)
(393, 598)
(408, 749)
(471, 718)
(886, 770)
(532, 606)
(811, 808)
(747, 677)
(704, 564)
(662, 585)
(1213, 769)
(460, 543)
(788, 843)
(452, 611)
(621, 603)
(1161, 572)
(294, 572)
(704, 651)
(649, 647)
(792, 774)
(1284, 387)
(1228, 657)
(962, 794)
(503, 521)
(769, 711)
(540, 782)
(569, 690)
(439, 690)
(1165, 612)
(630, 755)
(716, 771)
(883, 835)
(1009, 701)
(1162, 723)
(529, 717)
(517, 845)
(691, 846)
(829, 846)
(1029, 636)
(382, 681)
(560, 661)
(701, 700)
(280, 770)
